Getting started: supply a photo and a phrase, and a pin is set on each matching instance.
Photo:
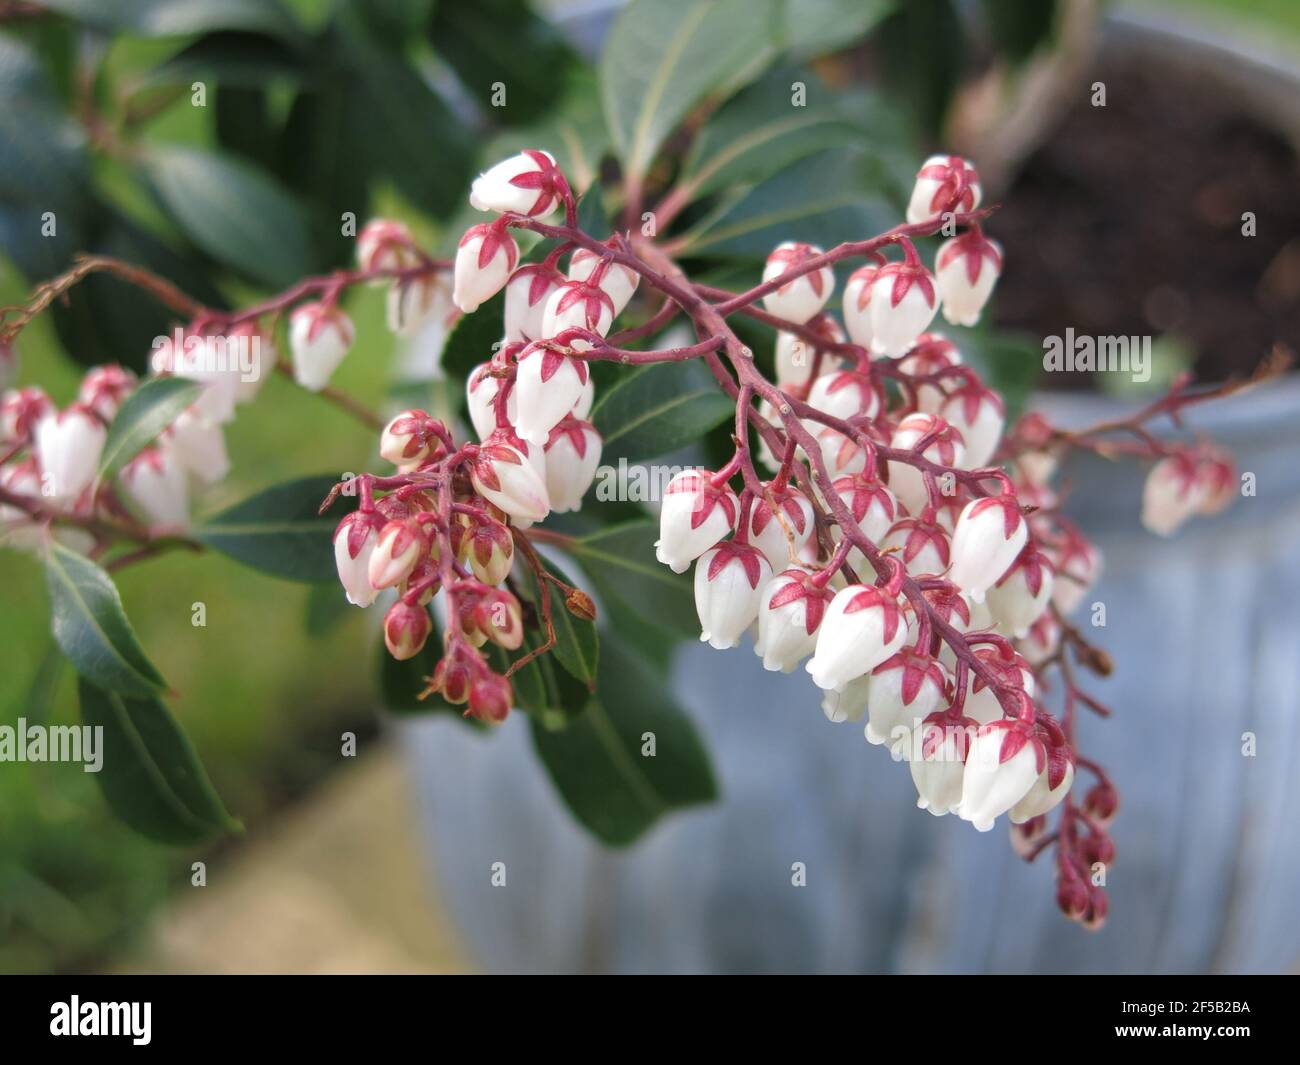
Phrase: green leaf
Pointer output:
(325, 609)
(91, 627)
(151, 777)
(234, 212)
(814, 27)
(280, 530)
(146, 413)
(169, 18)
(664, 56)
(474, 338)
(1018, 29)
(599, 764)
(822, 199)
(577, 648)
(621, 562)
(469, 38)
(232, 59)
(761, 132)
(922, 47)
(657, 409)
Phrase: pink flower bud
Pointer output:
(20, 411)
(1217, 474)
(1072, 896)
(1004, 760)
(1076, 564)
(729, 580)
(903, 303)
(154, 485)
(944, 183)
(578, 305)
(780, 525)
(406, 629)
(198, 446)
(18, 529)
(489, 698)
(930, 355)
(489, 550)
(1172, 493)
(411, 438)
(1019, 598)
(803, 297)
(572, 458)
(549, 383)
(791, 609)
(1043, 640)
(863, 627)
(527, 292)
(944, 445)
(902, 692)
(979, 414)
(354, 543)
(68, 446)
(454, 675)
(105, 388)
(385, 245)
(921, 545)
(938, 762)
(498, 616)
(695, 515)
(1101, 802)
(617, 281)
(857, 304)
(990, 534)
(506, 478)
(401, 544)
(845, 394)
(966, 269)
(485, 259)
(481, 388)
(320, 334)
(528, 183)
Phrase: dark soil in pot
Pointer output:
(1128, 222)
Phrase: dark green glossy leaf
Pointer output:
(658, 408)
(922, 46)
(823, 199)
(151, 776)
(234, 212)
(280, 531)
(91, 627)
(527, 62)
(664, 56)
(621, 562)
(814, 27)
(168, 18)
(146, 413)
(233, 59)
(601, 763)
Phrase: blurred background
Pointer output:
(1118, 220)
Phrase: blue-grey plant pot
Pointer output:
(1204, 633)
(1203, 629)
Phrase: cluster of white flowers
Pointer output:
(978, 564)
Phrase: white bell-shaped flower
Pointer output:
(481, 388)
(1050, 787)
(549, 384)
(780, 525)
(921, 545)
(400, 545)
(385, 244)
(68, 446)
(1012, 671)
(199, 447)
(21, 410)
(1023, 593)
(903, 303)
(931, 354)
(938, 762)
(320, 334)
(849, 704)
(729, 580)
(862, 627)
(966, 268)
(803, 297)
(1004, 760)
(945, 447)
(694, 516)
(945, 183)
(902, 692)
(504, 476)
(979, 414)
(617, 281)
(528, 183)
(527, 292)
(845, 394)
(790, 612)
(990, 533)
(354, 543)
(154, 486)
(872, 505)
(1173, 493)
(572, 458)
(485, 259)
(857, 304)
